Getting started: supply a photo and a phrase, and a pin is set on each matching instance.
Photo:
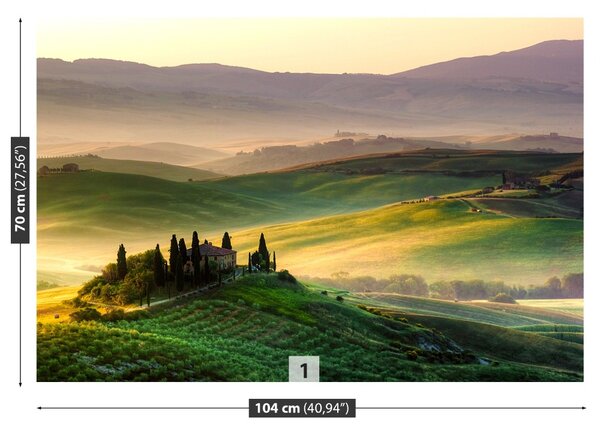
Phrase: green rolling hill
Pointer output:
(543, 207)
(454, 160)
(102, 210)
(159, 170)
(439, 240)
(358, 216)
(245, 331)
(505, 315)
(99, 200)
(325, 219)
(516, 332)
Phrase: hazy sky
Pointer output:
(351, 45)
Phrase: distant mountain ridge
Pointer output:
(286, 157)
(534, 90)
(559, 61)
(168, 153)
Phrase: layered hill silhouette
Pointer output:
(538, 89)
(558, 61)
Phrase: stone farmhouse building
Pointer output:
(225, 259)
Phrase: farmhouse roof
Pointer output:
(211, 251)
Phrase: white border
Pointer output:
(19, 403)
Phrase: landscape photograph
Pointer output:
(401, 197)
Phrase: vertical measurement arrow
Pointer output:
(19, 224)
(20, 280)
(20, 323)
(20, 21)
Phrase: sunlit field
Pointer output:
(571, 306)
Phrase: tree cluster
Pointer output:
(570, 286)
(112, 287)
(261, 258)
(136, 277)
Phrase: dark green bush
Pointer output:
(86, 314)
(284, 275)
(504, 298)
(76, 302)
(114, 315)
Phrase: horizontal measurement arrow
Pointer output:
(365, 408)
(140, 408)
(474, 408)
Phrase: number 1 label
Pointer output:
(303, 368)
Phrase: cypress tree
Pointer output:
(196, 259)
(195, 242)
(183, 251)
(179, 274)
(274, 262)
(121, 262)
(159, 268)
(249, 263)
(263, 251)
(226, 242)
(173, 253)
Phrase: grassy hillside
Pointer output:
(343, 192)
(505, 343)
(559, 144)
(484, 312)
(246, 331)
(457, 160)
(571, 306)
(516, 332)
(570, 333)
(325, 219)
(165, 152)
(284, 157)
(86, 199)
(145, 168)
(102, 210)
(51, 302)
(516, 142)
(543, 208)
(439, 240)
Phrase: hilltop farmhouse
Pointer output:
(226, 259)
(512, 180)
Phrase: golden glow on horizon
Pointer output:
(353, 45)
